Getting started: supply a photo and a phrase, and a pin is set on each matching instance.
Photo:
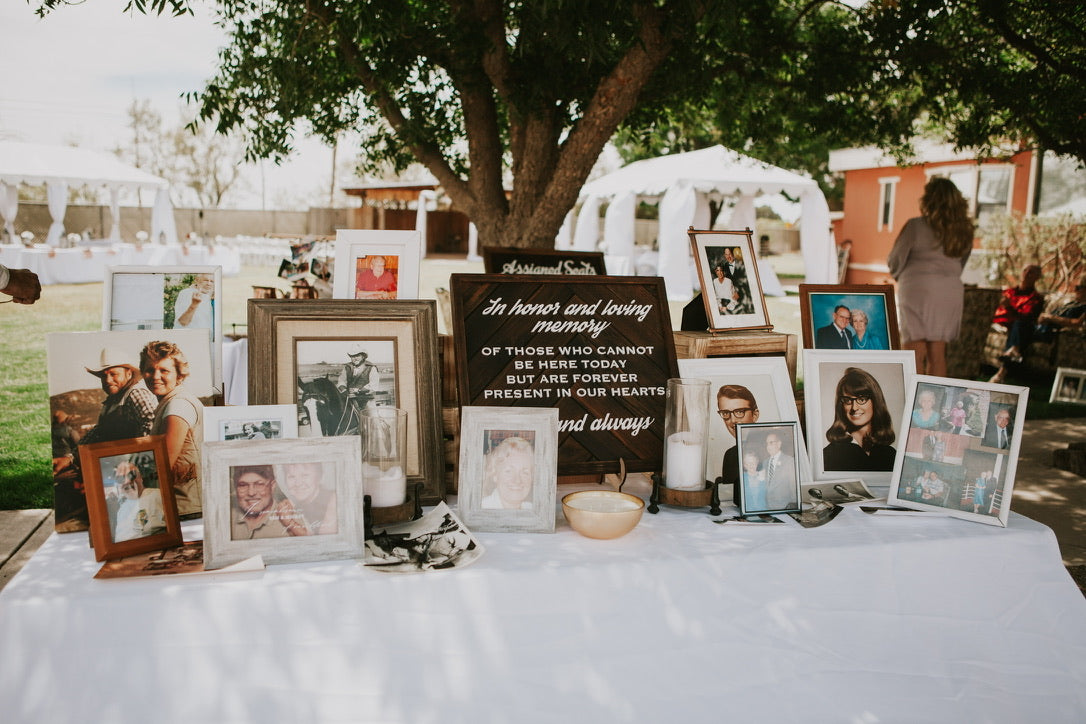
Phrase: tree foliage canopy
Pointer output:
(483, 90)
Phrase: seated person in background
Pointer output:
(1067, 316)
(1018, 312)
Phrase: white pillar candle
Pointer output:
(385, 488)
(685, 461)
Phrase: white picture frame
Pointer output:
(766, 490)
(889, 372)
(146, 297)
(489, 438)
(1069, 386)
(340, 463)
(768, 381)
(400, 252)
(250, 422)
(948, 481)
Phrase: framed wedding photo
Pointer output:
(742, 389)
(854, 405)
(129, 498)
(288, 501)
(961, 448)
(769, 459)
(730, 285)
(163, 297)
(376, 264)
(508, 469)
(1069, 386)
(848, 316)
(250, 422)
(331, 357)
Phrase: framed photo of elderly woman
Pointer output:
(508, 468)
(769, 481)
(730, 285)
(287, 501)
(331, 357)
(854, 404)
(376, 264)
(848, 316)
(959, 464)
(129, 499)
(157, 297)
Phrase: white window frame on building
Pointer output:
(887, 197)
(970, 178)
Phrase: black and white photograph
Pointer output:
(854, 406)
(769, 477)
(436, 541)
(336, 378)
(250, 422)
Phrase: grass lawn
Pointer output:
(25, 468)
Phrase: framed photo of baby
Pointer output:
(963, 466)
(730, 285)
(508, 468)
(854, 405)
(861, 317)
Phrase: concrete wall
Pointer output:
(96, 221)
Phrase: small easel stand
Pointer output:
(684, 498)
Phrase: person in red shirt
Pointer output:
(1018, 311)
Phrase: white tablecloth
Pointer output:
(83, 265)
(864, 620)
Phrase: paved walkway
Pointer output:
(1049, 495)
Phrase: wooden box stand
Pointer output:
(744, 343)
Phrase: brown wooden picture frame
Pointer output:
(502, 260)
(146, 455)
(277, 325)
(745, 307)
(817, 303)
(600, 349)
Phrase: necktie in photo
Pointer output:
(1002, 437)
(844, 339)
(772, 469)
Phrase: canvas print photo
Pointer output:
(106, 386)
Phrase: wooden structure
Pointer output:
(699, 345)
(394, 206)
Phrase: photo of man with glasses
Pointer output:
(734, 404)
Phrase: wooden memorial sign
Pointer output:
(600, 349)
(500, 260)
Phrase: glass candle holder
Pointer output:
(686, 433)
(384, 455)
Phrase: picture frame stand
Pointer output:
(410, 509)
(710, 496)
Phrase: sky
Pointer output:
(69, 79)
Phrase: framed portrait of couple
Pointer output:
(376, 264)
(860, 317)
(854, 405)
(730, 285)
(961, 442)
(288, 501)
(769, 478)
(508, 468)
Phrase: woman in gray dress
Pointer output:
(927, 261)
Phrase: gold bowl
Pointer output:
(602, 513)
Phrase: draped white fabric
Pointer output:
(718, 170)
(618, 225)
(115, 214)
(9, 207)
(422, 215)
(675, 262)
(473, 243)
(564, 239)
(743, 215)
(587, 232)
(57, 202)
(163, 226)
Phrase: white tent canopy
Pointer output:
(686, 181)
(59, 167)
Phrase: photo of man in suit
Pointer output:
(780, 474)
(836, 334)
(998, 431)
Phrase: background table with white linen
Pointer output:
(82, 265)
(867, 619)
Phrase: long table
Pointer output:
(867, 619)
(89, 264)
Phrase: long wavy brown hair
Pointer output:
(948, 213)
